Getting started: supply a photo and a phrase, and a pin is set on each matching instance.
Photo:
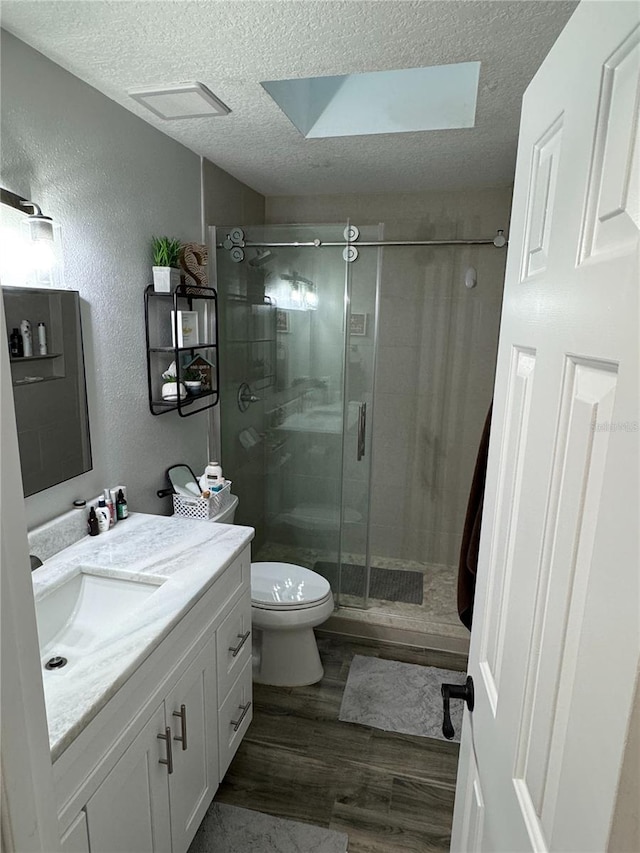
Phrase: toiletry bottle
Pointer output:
(27, 344)
(211, 477)
(111, 507)
(94, 528)
(15, 344)
(103, 516)
(122, 510)
(113, 493)
(42, 339)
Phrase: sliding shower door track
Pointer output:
(320, 244)
(235, 241)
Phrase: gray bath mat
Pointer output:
(229, 829)
(387, 584)
(399, 697)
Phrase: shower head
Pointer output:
(262, 258)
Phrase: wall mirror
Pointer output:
(49, 388)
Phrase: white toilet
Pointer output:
(287, 603)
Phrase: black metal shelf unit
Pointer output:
(163, 329)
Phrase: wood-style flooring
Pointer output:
(391, 793)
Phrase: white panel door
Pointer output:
(76, 838)
(555, 642)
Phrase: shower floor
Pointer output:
(436, 617)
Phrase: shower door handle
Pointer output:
(362, 429)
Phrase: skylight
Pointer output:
(439, 97)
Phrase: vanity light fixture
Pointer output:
(40, 228)
(292, 292)
(41, 233)
(311, 297)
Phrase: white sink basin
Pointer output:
(84, 610)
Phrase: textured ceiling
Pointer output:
(231, 45)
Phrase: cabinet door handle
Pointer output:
(169, 759)
(245, 710)
(182, 738)
(243, 639)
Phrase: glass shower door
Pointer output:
(363, 285)
(284, 335)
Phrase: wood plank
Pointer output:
(391, 793)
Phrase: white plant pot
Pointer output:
(165, 279)
(170, 391)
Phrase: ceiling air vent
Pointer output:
(180, 100)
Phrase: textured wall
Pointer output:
(436, 358)
(111, 181)
(228, 201)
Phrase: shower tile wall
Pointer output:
(436, 358)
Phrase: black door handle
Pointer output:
(455, 691)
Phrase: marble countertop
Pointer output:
(185, 555)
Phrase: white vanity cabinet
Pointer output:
(145, 770)
(191, 716)
(130, 809)
(159, 789)
(235, 680)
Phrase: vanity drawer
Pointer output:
(234, 717)
(233, 642)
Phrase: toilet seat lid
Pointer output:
(286, 585)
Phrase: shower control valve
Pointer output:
(246, 397)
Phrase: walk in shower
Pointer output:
(356, 373)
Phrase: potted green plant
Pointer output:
(172, 390)
(166, 255)
(192, 381)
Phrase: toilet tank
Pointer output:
(228, 514)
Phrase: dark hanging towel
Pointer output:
(471, 537)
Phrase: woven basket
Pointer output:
(203, 508)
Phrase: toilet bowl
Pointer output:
(287, 603)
